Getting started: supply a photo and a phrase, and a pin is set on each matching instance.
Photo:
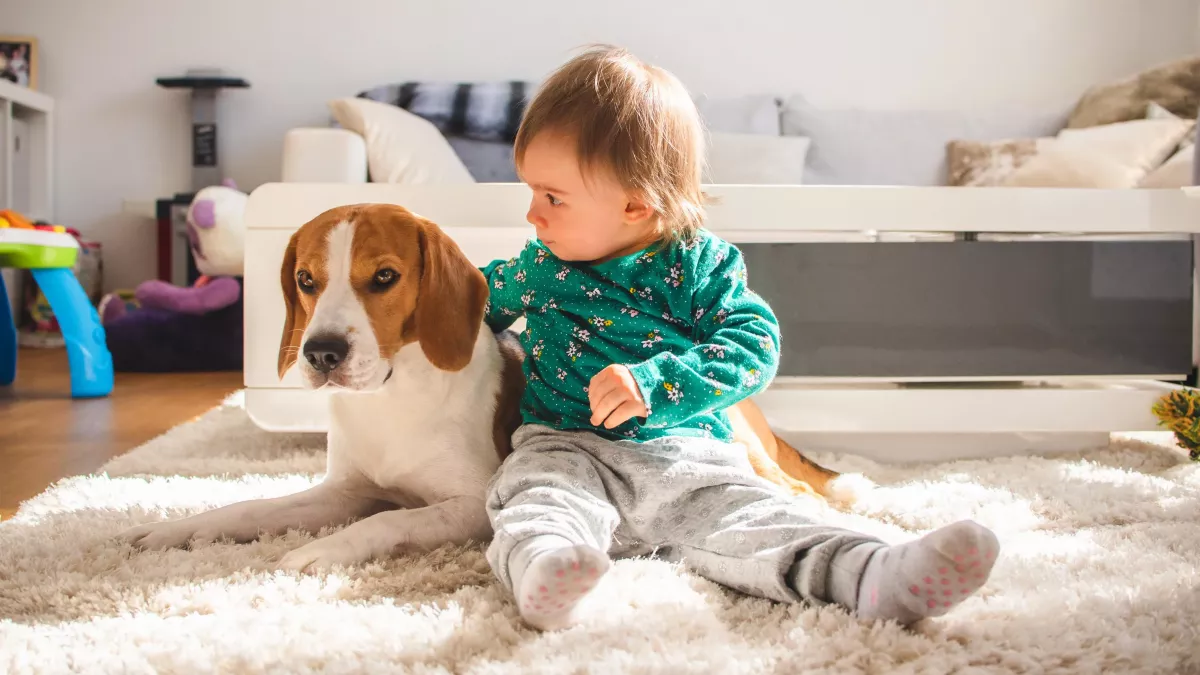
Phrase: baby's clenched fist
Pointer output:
(615, 397)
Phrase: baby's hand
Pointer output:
(614, 397)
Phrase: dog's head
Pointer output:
(361, 282)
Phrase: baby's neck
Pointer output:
(650, 237)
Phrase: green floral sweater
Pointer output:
(681, 318)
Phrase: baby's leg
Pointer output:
(741, 532)
(553, 526)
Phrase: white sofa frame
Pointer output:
(881, 419)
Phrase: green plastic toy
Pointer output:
(50, 255)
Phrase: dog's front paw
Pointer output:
(324, 554)
(202, 528)
(164, 535)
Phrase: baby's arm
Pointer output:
(504, 280)
(737, 346)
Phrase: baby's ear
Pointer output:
(637, 208)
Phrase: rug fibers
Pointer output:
(1098, 574)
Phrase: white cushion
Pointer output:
(401, 147)
(1109, 156)
(323, 155)
(752, 159)
(1176, 172)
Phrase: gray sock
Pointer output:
(929, 576)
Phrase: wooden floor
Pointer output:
(45, 435)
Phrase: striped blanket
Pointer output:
(486, 111)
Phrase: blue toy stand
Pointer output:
(87, 348)
(8, 339)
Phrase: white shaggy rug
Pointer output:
(1098, 574)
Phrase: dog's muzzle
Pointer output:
(326, 353)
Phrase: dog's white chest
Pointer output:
(426, 431)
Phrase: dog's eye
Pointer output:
(305, 280)
(385, 277)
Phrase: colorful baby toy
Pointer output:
(49, 252)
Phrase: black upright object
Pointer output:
(204, 85)
(1194, 379)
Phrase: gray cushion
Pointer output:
(488, 161)
(751, 114)
(899, 147)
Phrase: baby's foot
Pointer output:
(555, 582)
(929, 576)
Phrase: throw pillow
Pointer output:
(987, 163)
(1176, 172)
(401, 147)
(1110, 156)
(1174, 85)
(755, 159)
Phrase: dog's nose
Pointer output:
(326, 353)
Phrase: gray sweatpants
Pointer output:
(683, 499)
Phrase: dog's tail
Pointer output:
(777, 461)
(843, 489)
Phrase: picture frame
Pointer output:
(19, 60)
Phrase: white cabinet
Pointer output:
(26, 158)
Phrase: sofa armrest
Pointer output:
(324, 155)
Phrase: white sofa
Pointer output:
(846, 146)
(884, 419)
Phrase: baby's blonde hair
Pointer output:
(635, 121)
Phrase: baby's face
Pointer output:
(578, 219)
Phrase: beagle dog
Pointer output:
(385, 311)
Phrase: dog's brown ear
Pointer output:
(450, 300)
(297, 318)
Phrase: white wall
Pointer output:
(121, 137)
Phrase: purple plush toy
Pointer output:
(198, 328)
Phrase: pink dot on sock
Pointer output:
(575, 565)
(945, 581)
(974, 563)
(966, 591)
(946, 604)
(947, 592)
(928, 580)
(962, 580)
(973, 551)
(958, 558)
(941, 570)
(592, 572)
(916, 590)
(543, 589)
(930, 592)
(559, 573)
(558, 606)
(932, 604)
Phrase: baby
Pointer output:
(641, 331)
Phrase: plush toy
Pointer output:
(167, 328)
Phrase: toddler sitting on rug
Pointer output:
(641, 330)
